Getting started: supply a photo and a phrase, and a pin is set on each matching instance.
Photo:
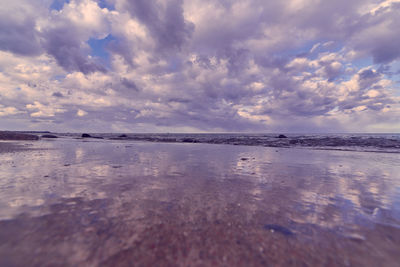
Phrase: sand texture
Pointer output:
(96, 203)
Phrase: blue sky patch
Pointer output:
(99, 50)
(105, 4)
(58, 4)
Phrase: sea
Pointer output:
(386, 143)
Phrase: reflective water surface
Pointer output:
(133, 203)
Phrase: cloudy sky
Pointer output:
(200, 65)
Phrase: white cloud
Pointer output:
(81, 113)
(40, 110)
(9, 111)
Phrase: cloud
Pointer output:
(57, 94)
(68, 31)
(81, 113)
(8, 111)
(18, 22)
(40, 110)
(204, 65)
(382, 23)
(129, 84)
(164, 20)
(63, 46)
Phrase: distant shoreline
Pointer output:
(8, 135)
(383, 143)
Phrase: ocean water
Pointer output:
(389, 143)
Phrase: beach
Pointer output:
(91, 202)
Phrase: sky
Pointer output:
(200, 65)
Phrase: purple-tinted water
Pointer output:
(123, 202)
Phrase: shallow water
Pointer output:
(94, 202)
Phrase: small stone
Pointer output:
(116, 167)
(49, 136)
(278, 228)
(355, 237)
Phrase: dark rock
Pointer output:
(244, 159)
(122, 136)
(188, 140)
(17, 136)
(282, 136)
(278, 228)
(85, 135)
(49, 136)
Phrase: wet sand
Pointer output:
(88, 203)
(12, 147)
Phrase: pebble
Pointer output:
(278, 228)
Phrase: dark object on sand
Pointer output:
(244, 159)
(278, 228)
(122, 136)
(85, 135)
(189, 140)
(49, 136)
(17, 136)
(282, 136)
